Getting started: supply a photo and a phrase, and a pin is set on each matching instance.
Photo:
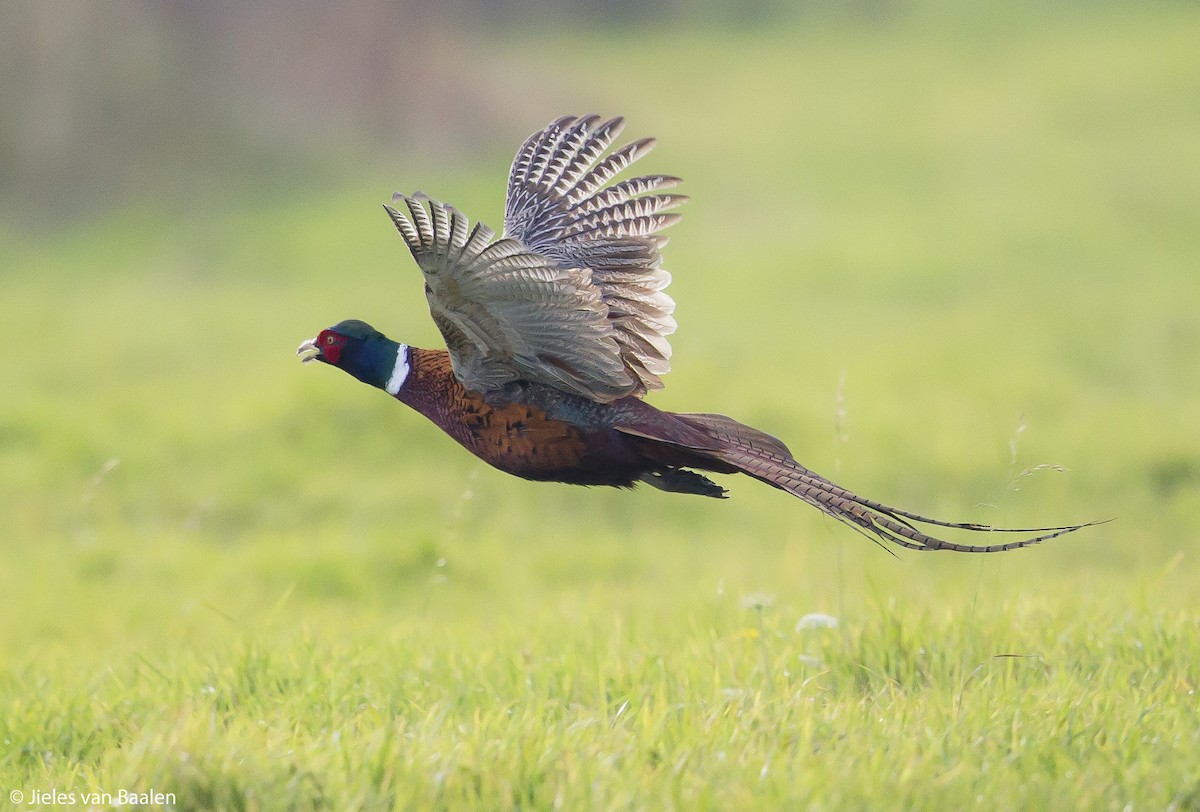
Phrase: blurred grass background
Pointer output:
(930, 246)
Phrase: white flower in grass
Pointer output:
(758, 601)
(816, 620)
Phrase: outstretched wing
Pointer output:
(561, 205)
(572, 294)
(507, 313)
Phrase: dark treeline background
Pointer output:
(108, 101)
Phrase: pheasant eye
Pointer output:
(330, 339)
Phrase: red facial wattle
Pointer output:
(330, 345)
(326, 347)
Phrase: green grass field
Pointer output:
(931, 254)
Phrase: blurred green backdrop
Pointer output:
(943, 250)
(914, 229)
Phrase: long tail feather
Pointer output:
(768, 460)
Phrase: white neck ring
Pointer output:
(399, 371)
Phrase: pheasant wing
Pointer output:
(506, 312)
(562, 206)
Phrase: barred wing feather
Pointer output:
(508, 313)
(562, 206)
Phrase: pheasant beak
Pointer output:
(308, 351)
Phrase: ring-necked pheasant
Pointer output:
(557, 329)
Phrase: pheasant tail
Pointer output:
(767, 459)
